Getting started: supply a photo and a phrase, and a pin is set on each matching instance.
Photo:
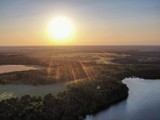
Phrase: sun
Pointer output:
(61, 29)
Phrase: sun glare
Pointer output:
(61, 29)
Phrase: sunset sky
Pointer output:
(95, 22)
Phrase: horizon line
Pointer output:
(78, 45)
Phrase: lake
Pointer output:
(13, 68)
(143, 102)
(8, 91)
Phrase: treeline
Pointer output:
(122, 71)
(138, 57)
(19, 59)
(33, 77)
(80, 98)
(143, 71)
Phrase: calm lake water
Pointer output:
(13, 68)
(143, 102)
(8, 91)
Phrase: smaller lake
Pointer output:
(13, 68)
(8, 91)
(143, 102)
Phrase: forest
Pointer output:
(80, 98)
(95, 74)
